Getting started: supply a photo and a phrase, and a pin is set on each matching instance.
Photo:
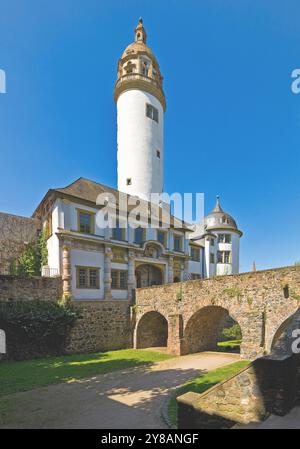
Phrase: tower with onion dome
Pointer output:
(140, 119)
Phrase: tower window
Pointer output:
(128, 181)
(158, 154)
(224, 238)
(152, 112)
(224, 257)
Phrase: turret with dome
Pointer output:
(220, 236)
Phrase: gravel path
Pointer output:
(130, 398)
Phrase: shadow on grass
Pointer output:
(29, 374)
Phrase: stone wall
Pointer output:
(102, 326)
(260, 302)
(268, 386)
(15, 232)
(17, 288)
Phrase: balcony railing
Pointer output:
(48, 272)
(137, 76)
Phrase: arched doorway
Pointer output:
(205, 331)
(147, 275)
(152, 331)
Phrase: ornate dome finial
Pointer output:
(218, 207)
(140, 32)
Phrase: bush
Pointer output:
(35, 328)
(232, 333)
(30, 262)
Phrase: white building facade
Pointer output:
(103, 263)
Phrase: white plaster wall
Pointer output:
(88, 259)
(233, 247)
(53, 242)
(235, 238)
(70, 212)
(195, 267)
(139, 137)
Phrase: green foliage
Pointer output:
(35, 327)
(294, 295)
(179, 295)
(232, 292)
(232, 333)
(229, 346)
(29, 374)
(32, 259)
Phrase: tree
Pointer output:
(30, 262)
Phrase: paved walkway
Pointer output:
(289, 421)
(130, 398)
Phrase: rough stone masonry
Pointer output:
(260, 302)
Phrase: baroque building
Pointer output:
(98, 262)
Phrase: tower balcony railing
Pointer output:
(137, 76)
(154, 85)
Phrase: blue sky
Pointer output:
(232, 125)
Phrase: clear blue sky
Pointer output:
(232, 125)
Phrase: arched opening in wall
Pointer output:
(283, 338)
(152, 331)
(147, 275)
(212, 329)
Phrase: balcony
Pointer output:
(139, 81)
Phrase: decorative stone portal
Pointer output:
(151, 331)
(203, 330)
(148, 275)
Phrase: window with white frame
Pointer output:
(152, 112)
(224, 238)
(195, 254)
(177, 243)
(224, 257)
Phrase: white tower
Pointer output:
(140, 119)
(222, 242)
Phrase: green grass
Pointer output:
(229, 345)
(29, 374)
(203, 383)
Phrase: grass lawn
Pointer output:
(29, 374)
(229, 345)
(203, 383)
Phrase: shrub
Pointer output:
(30, 262)
(35, 328)
(232, 333)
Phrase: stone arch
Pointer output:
(151, 331)
(282, 338)
(202, 330)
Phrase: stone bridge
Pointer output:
(187, 317)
